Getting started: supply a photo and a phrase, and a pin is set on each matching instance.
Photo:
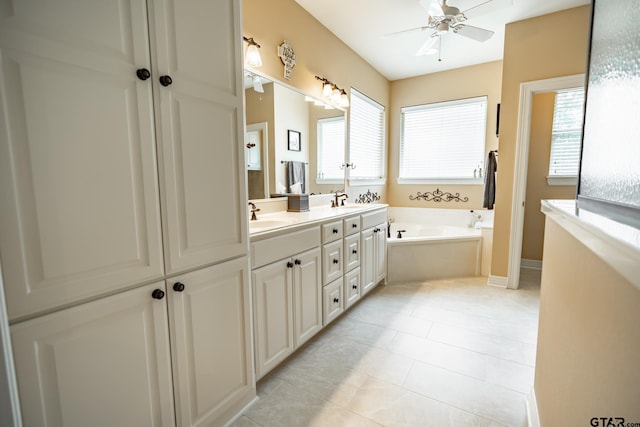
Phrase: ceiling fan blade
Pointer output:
(433, 7)
(410, 30)
(486, 6)
(427, 48)
(475, 33)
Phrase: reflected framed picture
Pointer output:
(294, 140)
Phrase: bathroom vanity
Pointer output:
(307, 269)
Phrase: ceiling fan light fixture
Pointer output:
(442, 28)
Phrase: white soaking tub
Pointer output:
(437, 243)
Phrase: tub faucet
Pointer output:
(399, 236)
(338, 196)
(254, 209)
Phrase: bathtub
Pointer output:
(437, 244)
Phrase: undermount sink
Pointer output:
(263, 224)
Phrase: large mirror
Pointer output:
(294, 144)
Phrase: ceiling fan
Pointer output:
(444, 19)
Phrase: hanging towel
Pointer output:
(295, 175)
(490, 181)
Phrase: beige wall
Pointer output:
(318, 52)
(548, 46)
(467, 82)
(537, 170)
(589, 339)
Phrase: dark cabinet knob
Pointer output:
(297, 262)
(354, 251)
(143, 73)
(178, 287)
(165, 80)
(354, 225)
(157, 294)
(335, 231)
(335, 261)
(354, 286)
(289, 264)
(336, 300)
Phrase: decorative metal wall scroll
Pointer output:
(368, 197)
(438, 196)
(288, 58)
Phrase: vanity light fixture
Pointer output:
(333, 94)
(252, 56)
(257, 84)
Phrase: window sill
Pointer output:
(450, 181)
(329, 181)
(562, 180)
(366, 182)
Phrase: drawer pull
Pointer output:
(289, 264)
(354, 225)
(355, 286)
(178, 287)
(297, 261)
(354, 251)
(157, 294)
(336, 300)
(335, 261)
(335, 231)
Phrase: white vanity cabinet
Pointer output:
(122, 162)
(287, 294)
(374, 249)
(352, 255)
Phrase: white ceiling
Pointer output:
(362, 24)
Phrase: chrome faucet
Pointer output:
(254, 209)
(337, 197)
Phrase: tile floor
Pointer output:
(436, 353)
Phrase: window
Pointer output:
(331, 150)
(566, 134)
(366, 140)
(443, 142)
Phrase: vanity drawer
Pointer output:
(351, 225)
(333, 303)
(272, 249)
(332, 261)
(351, 252)
(332, 231)
(374, 218)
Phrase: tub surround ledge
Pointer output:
(617, 244)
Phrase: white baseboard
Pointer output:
(531, 263)
(498, 281)
(533, 418)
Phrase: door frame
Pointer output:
(527, 91)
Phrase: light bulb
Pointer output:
(327, 89)
(252, 56)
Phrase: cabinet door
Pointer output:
(273, 309)
(332, 260)
(200, 131)
(103, 363)
(307, 295)
(367, 261)
(78, 180)
(211, 343)
(381, 253)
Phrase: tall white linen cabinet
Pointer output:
(123, 235)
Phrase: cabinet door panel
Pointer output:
(351, 252)
(307, 282)
(367, 261)
(332, 258)
(333, 301)
(78, 181)
(381, 253)
(273, 321)
(201, 132)
(210, 335)
(351, 287)
(103, 363)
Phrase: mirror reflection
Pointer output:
(294, 144)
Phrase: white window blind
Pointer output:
(366, 138)
(444, 140)
(566, 133)
(330, 149)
